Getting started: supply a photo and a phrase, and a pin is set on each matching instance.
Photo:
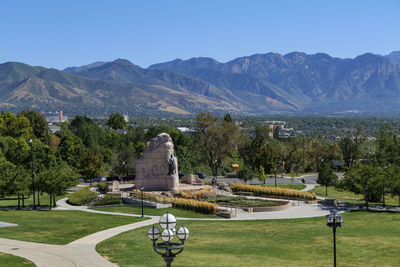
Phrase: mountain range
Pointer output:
(295, 83)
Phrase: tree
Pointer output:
(388, 151)
(216, 140)
(364, 180)
(56, 180)
(261, 174)
(13, 126)
(326, 177)
(38, 123)
(350, 146)
(116, 121)
(90, 165)
(245, 174)
(393, 175)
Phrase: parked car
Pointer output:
(130, 177)
(114, 178)
(181, 175)
(201, 175)
(100, 179)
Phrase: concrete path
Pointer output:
(308, 187)
(81, 252)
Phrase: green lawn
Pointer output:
(366, 239)
(158, 212)
(291, 186)
(13, 201)
(57, 227)
(8, 260)
(350, 197)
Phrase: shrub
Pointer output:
(81, 197)
(107, 200)
(274, 192)
(102, 186)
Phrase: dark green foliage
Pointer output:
(245, 173)
(116, 121)
(38, 123)
(326, 177)
(107, 200)
(81, 197)
(364, 180)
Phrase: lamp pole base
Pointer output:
(168, 260)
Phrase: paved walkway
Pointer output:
(308, 187)
(81, 252)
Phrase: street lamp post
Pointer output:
(141, 195)
(167, 249)
(275, 175)
(334, 220)
(33, 174)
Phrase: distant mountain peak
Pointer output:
(84, 67)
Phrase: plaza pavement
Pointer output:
(82, 252)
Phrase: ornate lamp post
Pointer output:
(334, 220)
(166, 248)
(33, 175)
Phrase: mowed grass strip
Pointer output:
(157, 212)
(13, 201)
(366, 239)
(8, 260)
(296, 186)
(57, 227)
(351, 198)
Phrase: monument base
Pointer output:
(161, 183)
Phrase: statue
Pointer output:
(171, 163)
(157, 169)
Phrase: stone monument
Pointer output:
(157, 169)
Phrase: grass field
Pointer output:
(350, 197)
(13, 201)
(8, 260)
(57, 227)
(157, 212)
(366, 239)
(291, 186)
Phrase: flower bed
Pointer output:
(188, 204)
(274, 191)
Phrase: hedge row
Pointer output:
(108, 200)
(188, 204)
(273, 191)
(202, 194)
(81, 197)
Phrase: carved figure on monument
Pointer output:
(171, 164)
(157, 169)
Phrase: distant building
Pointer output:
(54, 116)
(126, 117)
(54, 128)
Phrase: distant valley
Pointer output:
(260, 84)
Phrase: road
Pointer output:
(308, 179)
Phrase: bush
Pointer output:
(107, 200)
(274, 192)
(81, 197)
(102, 186)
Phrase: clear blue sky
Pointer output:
(60, 34)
